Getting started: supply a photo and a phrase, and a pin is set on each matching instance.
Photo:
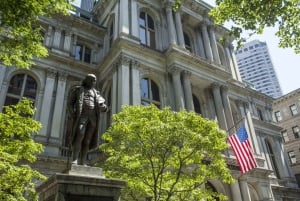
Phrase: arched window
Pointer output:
(149, 92)
(196, 102)
(21, 85)
(272, 158)
(147, 31)
(187, 42)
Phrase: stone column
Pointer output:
(48, 36)
(171, 28)
(3, 84)
(282, 164)
(245, 190)
(219, 106)
(214, 45)
(230, 62)
(57, 37)
(200, 46)
(188, 95)
(252, 135)
(135, 85)
(59, 106)
(236, 69)
(2, 74)
(123, 82)
(114, 90)
(74, 43)
(47, 101)
(235, 192)
(206, 41)
(124, 17)
(227, 109)
(179, 29)
(134, 19)
(179, 98)
(67, 44)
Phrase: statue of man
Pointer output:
(85, 104)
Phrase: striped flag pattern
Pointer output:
(242, 149)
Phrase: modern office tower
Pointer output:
(142, 52)
(256, 67)
(287, 114)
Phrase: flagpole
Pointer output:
(235, 124)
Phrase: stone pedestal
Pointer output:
(81, 183)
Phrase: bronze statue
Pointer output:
(84, 105)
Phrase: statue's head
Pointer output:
(89, 81)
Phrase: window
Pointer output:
(149, 92)
(296, 131)
(196, 102)
(260, 114)
(272, 158)
(83, 53)
(21, 85)
(187, 42)
(278, 116)
(293, 109)
(147, 32)
(285, 136)
(292, 157)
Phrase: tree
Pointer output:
(17, 149)
(20, 32)
(165, 155)
(256, 15)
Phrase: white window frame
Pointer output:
(292, 157)
(293, 109)
(278, 116)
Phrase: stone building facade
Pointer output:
(143, 52)
(287, 114)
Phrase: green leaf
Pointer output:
(164, 154)
(20, 32)
(17, 151)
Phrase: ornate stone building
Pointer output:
(287, 114)
(144, 52)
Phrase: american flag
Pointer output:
(242, 149)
